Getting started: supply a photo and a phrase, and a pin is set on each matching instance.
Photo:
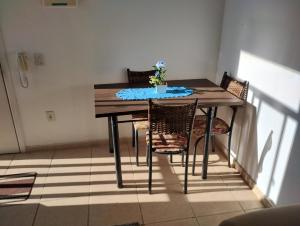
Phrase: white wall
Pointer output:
(93, 44)
(260, 43)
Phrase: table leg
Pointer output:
(116, 147)
(207, 139)
(111, 149)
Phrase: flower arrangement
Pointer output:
(160, 74)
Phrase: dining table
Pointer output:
(107, 104)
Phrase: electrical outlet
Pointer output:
(50, 116)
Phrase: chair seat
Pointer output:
(168, 143)
(219, 126)
(140, 125)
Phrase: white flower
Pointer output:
(160, 64)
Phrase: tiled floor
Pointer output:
(76, 187)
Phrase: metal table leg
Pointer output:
(116, 147)
(111, 149)
(207, 139)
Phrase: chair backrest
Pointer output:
(171, 119)
(139, 77)
(234, 86)
(237, 88)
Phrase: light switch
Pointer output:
(50, 115)
(38, 59)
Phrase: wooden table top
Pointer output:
(208, 94)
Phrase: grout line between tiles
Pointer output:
(185, 196)
(42, 190)
(133, 170)
(229, 189)
(10, 162)
(198, 221)
(88, 204)
(171, 220)
(178, 219)
(130, 159)
(216, 214)
(5, 172)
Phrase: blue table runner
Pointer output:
(149, 93)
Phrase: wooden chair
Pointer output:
(219, 126)
(138, 78)
(170, 128)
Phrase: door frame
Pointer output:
(12, 99)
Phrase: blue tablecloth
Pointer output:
(149, 93)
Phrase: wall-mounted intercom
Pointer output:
(60, 3)
(22, 60)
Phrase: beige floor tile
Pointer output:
(160, 175)
(114, 214)
(66, 212)
(69, 174)
(5, 161)
(106, 193)
(103, 187)
(31, 162)
(201, 186)
(66, 187)
(234, 181)
(162, 159)
(72, 158)
(247, 198)
(167, 202)
(17, 215)
(38, 162)
(101, 150)
(184, 222)
(213, 199)
(215, 220)
(64, 182)
(254, 210)
(100, 157)
(107, 175)
(77, 186)
(213, 160)
(162, 170)
(221, 168)
(180, 172)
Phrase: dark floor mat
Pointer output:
(16, 186)
(131, 224)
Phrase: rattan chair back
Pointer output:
(139, 77)
(234, 86)
(171, 119)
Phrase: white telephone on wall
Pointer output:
(23, 68)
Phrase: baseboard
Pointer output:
(58, 146)
(268, 203)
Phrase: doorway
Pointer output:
(8, 137)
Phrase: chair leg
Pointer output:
(194, 155)
(137, 147)
(182, 159)
(150, 171)
(171, 158)
(186, 173)
(133, 135)
(147, 154)
(213, 143)
(228, 149)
